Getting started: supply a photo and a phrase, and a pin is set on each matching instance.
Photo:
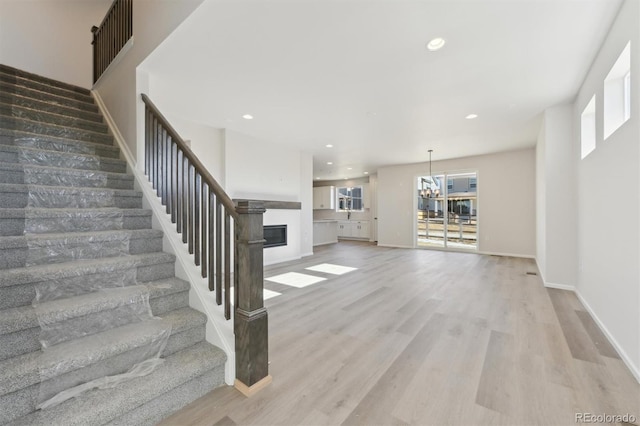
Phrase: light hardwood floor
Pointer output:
(425, 337)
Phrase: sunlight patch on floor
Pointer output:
(295, 279)
(329, 268)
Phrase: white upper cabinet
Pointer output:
(324, 197)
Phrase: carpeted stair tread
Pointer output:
(76, 238)
(18, 221)
(31, 250)
(6, 69)
(38, 273)
(33, 212)
(71, 160)
(49, 175)
(44, 96)
(103, 406)
(43, 128)
(23, 195)
(23, 371)
(11, 110)
(23, 139)
(20, 81)
(45, 106)
(22, 318)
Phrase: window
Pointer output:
(617, 93)
(350, 199)
(627, 96)
(588, 128)
(447, 218)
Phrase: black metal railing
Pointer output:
(111, 35)
(198, 205)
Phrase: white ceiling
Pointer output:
(357, 75)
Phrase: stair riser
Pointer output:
(16, 226)
(46, 200)
(23, 401)
(45, 80)
(69, 161)
(58, 179)
(45, 88)
(23, 295)
(20, 101)
(60, 145)
(9, 110)
(38, 128)
(27, 340)
(66, 102)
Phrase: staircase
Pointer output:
(77, 257)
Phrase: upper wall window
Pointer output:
(627, 96)
(617, 93)
(588, 128)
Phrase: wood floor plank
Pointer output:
(381, 400)
(597, 337)
(580, 343)
(427, 338)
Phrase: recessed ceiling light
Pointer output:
(329, 163)
(317, 178)
(436, 44)
(471, 116)
(366, 173)
(349, 168)
(329, 145)
(248, 117)
(345, 178)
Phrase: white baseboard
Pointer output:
(635, 370)
(394, 246)
(559, 286)
(492, 253)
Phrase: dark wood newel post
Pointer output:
(250, 320)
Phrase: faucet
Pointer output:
(348, 214)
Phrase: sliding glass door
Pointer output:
(447, 211)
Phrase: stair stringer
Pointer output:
(219, 331)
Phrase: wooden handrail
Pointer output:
(227, 202)
(115, 30)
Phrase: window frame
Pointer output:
(351, 198)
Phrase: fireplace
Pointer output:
(275, 235)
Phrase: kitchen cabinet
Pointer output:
(356, 229)
(324, 198)
(325, 232)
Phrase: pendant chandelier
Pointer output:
(429, 192)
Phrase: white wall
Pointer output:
(262, 170)
(206, 142)
(556, 237)
(506, 201)
(153, 21)
(608, 226)
(51, 38)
